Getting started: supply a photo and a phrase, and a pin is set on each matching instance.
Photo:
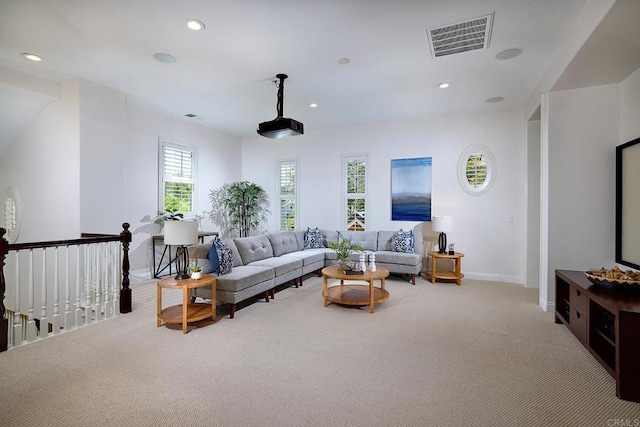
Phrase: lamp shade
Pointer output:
(180, 233)
(443, 224)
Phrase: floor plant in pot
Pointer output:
(239, 208)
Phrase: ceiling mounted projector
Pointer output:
(281, 127)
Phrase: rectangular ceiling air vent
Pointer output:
(461, 37)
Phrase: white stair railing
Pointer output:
(52, 287)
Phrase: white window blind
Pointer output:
(355, 197)
(287, 191)
(177, 177)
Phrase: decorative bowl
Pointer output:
(614, 278)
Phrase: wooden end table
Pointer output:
(187, 311)
(443, 274)
(354, 295)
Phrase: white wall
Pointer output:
(630, 108)
(218, 162)
(494, 249)
(43, 165)
(533, 204)
(102, 136)
(584, 129)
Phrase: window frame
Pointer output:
(287, 196)
(346, 158)
(163, 142)
(13, 230)
(491, 169)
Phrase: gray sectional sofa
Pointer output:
(260, 263)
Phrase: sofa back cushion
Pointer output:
(253, 248)
(329, 236)
(283, 243)
(367, 239)
(300, 238)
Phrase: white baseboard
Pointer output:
(494, 277)
(140, 275)
(548, 306)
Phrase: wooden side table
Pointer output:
(187, 311)
(443, 274)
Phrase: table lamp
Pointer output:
(442, 224)
(181, 234)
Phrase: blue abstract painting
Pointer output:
(411, 189)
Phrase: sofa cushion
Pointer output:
(244, 277)
(300, 238)
(253, 248)
(403, 242)
(313, 239)
(283, 243)
(309, 256)
(367, 239)
(390, 257)
(329, 236)
(281, 265)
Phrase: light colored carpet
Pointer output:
(482, 354)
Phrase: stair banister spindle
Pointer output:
(31, 323)
(17, 320)
(56, 292)
(78, 307)
(67, 320)
(44, 321)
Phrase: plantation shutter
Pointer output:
(178, 177)
(287, 194)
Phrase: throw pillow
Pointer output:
(214, 260)
(313, 239)
(221, 257)
(225, 257)
(403, 242)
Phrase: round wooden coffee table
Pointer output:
(354, 295)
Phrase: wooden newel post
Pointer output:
(125, 292)
(4, 323)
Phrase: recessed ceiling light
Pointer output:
(443, 85)
(32, 57)
(509, 53)
(313, 105)
(343, 61)
(495, 99)
(195, 25)
(165, 58)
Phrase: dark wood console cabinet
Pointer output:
(607, 323)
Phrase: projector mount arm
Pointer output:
(280, 104)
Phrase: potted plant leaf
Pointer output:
(343, 248)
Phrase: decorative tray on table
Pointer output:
(614, 278)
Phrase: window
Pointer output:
(287, 189)
(355, 197)
(177, 177)
(12, 215)
(476, 169)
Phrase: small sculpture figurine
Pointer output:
(363, 266)
(372, 262)
(451, 251)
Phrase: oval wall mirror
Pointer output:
(476, 169)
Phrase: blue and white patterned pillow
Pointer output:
(221, 257)
(403, 242)
(313, 239)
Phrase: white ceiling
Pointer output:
(224, 74)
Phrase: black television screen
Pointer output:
(628, 204)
